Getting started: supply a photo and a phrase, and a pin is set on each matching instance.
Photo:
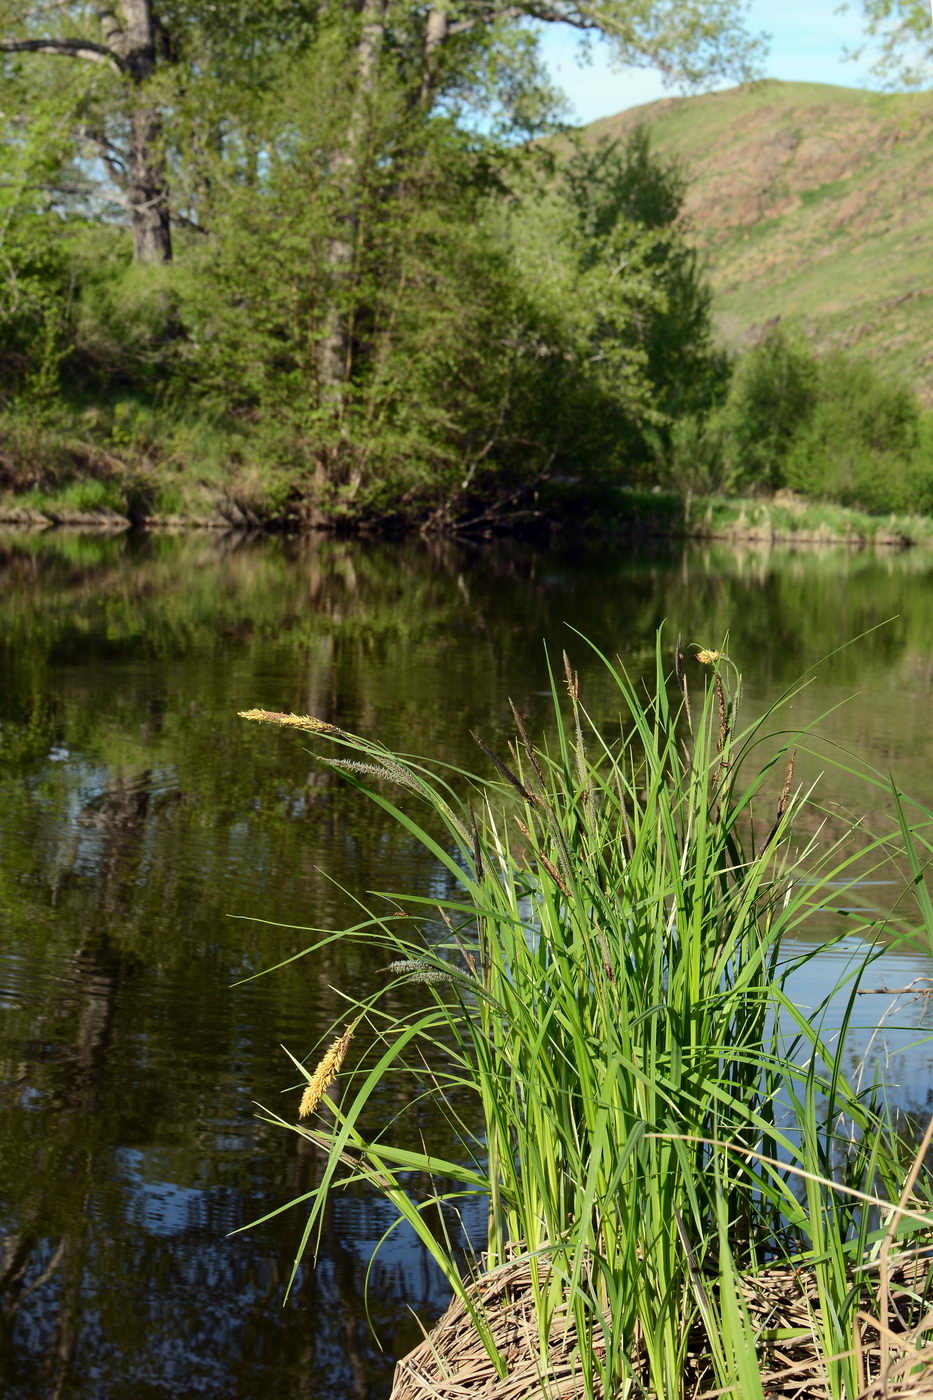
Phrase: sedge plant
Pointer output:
(604, 1021)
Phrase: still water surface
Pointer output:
(138, 815)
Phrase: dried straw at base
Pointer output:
(452, 1363)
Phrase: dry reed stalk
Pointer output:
(884, 1254)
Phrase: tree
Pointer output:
(128, 41)
(615, 185)
(691, 43)
(773, 393)
(906, 34)
(170, 79)
(346, 170)
(360, 285)
(428, 52)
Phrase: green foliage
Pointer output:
(906, 53)
(125, 327)
(502, 330)
(375, 311)
(857, 443)
(389, 309)
(610, 989)
(773, 391)
(690, 457)
(832, 429)
(34, 297)
(34, 273)
(615, 192)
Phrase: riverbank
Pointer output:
(644, 514)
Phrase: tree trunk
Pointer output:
(334, 344)
(435, 35)
(147, 193)
(132, 36)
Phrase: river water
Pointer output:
(152, 844)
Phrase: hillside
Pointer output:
(812, 203)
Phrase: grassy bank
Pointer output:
(139, 488)
(780, 518)
(124, 458)
(789, 517)
(596, 1001)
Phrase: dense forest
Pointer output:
(308, 261)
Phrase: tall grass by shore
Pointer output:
(605, 992)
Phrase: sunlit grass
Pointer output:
(605, 1025)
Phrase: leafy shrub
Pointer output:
(126, 327)
(835, 429)
(774, 390)
(858, 442)
(34, 288)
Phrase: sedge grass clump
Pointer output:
(604, 1021)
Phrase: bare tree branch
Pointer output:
(545, 13)
(67, 48)
(44, 9)
(185, 222)
(115, 166)
(49, 188)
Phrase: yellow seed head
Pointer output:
(707, 658)
(326, 1072)
(319, 726)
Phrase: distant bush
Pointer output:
(858, 441)
(774, 390)
(834, 429)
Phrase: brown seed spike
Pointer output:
(723, 716)
(788, 780)
(554, 873)
(783, 801)
(504, 770)
(681, 675)
(526, 742)
(477, 848)
(573, 679)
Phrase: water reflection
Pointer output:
(137, 814)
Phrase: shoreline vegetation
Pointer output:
(693, 1186)
(783, 518)
(370, 280)
(358, 314)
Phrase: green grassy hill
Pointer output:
(813, 204)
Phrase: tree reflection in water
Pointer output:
(137, 814)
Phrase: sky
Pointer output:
(808, 38)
